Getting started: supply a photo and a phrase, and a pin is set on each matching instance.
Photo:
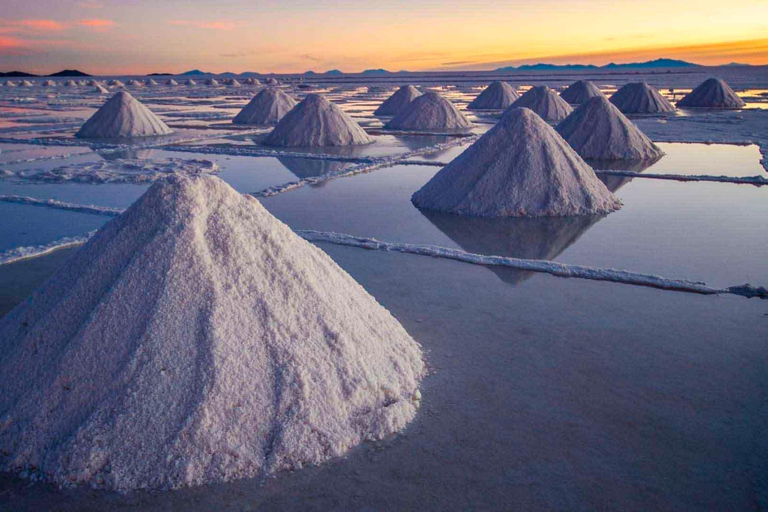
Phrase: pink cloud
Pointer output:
(97, 24)
(40, 25)
(211, 25)
(13, 46)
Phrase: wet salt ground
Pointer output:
(545, 393)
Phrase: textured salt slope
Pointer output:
(580, 92)
(545, 102)
(497, 96)
(316, 122)
(712, 93)
(399, 100)
(598, 130)
(255, 352)
(268, 106)
(519, 168)
(123, 116)
(641, 98)
(428, 112)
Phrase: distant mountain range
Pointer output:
(651, 64)
(66, 72)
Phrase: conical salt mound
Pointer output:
(272, 81)
(269, 106)
(428, 112)
(116, 83)
(520, 168)
(70, 83)
(316, 122)
(712, 93)
(134, 83)
(212, 82)
(9, 83)
(235, 83)
(196, 339)
(641, 98)
(172, 83)
(99, 89)
(399, 100)
(123, 116)
(49, 83)
(152, 83)
(580, 92)
(191, 82)
(545, 102)
(26, 83)
(597, 130)
(497, 96)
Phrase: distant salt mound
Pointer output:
(519, 168)
(191, 82)
(271, 81)
(172, 83)
(497, 96)
(252, 81)
(134, 83)
(49, 83)
(235, 83)
(398, 101)
(116, 83)
(70, 83)
(316, 122)
(123, 116)
(430, 112)
(712, 93)
(9, 83)
(26, 83)
(641, 98)
(196, 339)
(99, 89)
(212, 82)
(152, 83)
(270, 105)
(597, 130)
(82, 83)
(580, 92)
(545, 102)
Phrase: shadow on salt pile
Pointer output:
(539, 238)
(612, 182)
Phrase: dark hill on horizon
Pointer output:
(70, 72)
(651, 64)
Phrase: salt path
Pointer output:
(317, 122)
(598, 130)
(430, 112)
(497, 96)
(398, 101)
(712, 93)
(641, 98)
(545, 102)
(196, 339)
(123, 116)
(580, 92)
(270, 105)
(519, 168)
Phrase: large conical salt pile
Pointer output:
(497, 96)
(399, 100)
(545, 102)
(597, 130)
(520, 168)
(712, 93)
(317, 122)
(269, 106)
(641, 98)
(196, 339)
(123, 116)
(580, 92)
(429, 112)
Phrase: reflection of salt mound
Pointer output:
(309, 167)
(712, 93)
(545, 102)
(519, 168)
(430, 111)
(614, 182)
(641, 98)
(317, 122)
(400, 99)
(597, 130)
(498, 95)
(581, 91)
(178, 352)
(541, 238)
(123, 116)
(269, 106)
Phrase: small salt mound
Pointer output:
(9, 83)
(399, 100)
(497, 96)
(196, 339)
(252, 81)
(545, 102)
(123, 116)
(99, 89)
(172, 83)
(191, 82)
(597, 130)
(82, 83)
(70, 83)
(116, 83)
(269, 106)
(235, 83)
(134, 83)
(26, 83)
(641, 98)
(152, 83)
(212, 82)
(429, 112)
(272, 81)
(580, 92)
(49, 83)
(712, 93)
(520, 168)
(317, 122)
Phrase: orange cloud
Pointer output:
(40, 25)
(97, 24)
(211, 25)
(13, 46)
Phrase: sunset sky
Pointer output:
(141, 36)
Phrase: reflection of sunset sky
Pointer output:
(138, 36)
